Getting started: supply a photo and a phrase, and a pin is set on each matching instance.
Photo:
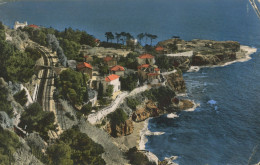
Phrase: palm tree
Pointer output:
(140, 37)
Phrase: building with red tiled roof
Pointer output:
(33, 26)
(111, 77)
(113, 80)
(146, 59)
(85, 68)
(118, 70)
(88, 58)
(110, 61)
(148, 72)
(143, 66)
(159, 48)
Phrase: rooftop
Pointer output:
(143, 66)
(108, 58)
(159, 48)
(117, 68)
(84, 65)
(111, 77)
(144, 56)
(33, 26)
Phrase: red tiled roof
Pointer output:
(33, 26)
(84, 65)
(117, 68)
(108, 58)
(97, 40)
(85, 56)
(156, 69)
(143, 56)
(143, 66)
(159, 48)
(111, 77)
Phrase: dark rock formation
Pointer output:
(150, 110)
(176, 82)
(123, 129)
(180, 105)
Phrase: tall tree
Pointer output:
(140, 37)
(118, 36)
(110, 36)
(153, 37)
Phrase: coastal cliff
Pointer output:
(176, 82)
(205, 52)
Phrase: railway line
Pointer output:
(45, 93)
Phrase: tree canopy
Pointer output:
(72, 86)
(74, 147)
(35, 119)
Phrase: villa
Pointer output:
(110, 61)
(85, 68)
(118, 70)
(146, 59)
(148, 72)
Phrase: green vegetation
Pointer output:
(71, 117)
(4, 103)
(75, 147)
(69, 39)
(86, 109)
(137, 158)
(35, 119)
(129, 83)
(132, 102)
(71, 49)
(162, 62)
(21, 97)
(9, 142)
(15, 65)
(162, 94)
(129, 61)
(109, 91)
(59, 154)
(117, 117)
(72, 86)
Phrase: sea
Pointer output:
(225, 127)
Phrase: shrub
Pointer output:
(21, 97)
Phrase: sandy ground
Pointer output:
(132, 140)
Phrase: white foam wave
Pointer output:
(146, 132)
(212, 102)
(171, 160)
(172, 115)
(249, 51)
(182, 95)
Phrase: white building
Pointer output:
(18, 24)
(112, 80)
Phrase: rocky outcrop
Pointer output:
(123, 129)
(206, 52)
(213, 59)
(143, 113)
(179, 104)
(181, 62)
(176, 82)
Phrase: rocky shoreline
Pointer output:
(138, 137)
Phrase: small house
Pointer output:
(110, 61)
(118, 70)
(112, 79)
(146, 59)
(86, 68)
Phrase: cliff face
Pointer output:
(176, 82)
(150, 110)
(180, 105)
(123, 129)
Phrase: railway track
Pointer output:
(45, 94)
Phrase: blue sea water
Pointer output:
(225, 129)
